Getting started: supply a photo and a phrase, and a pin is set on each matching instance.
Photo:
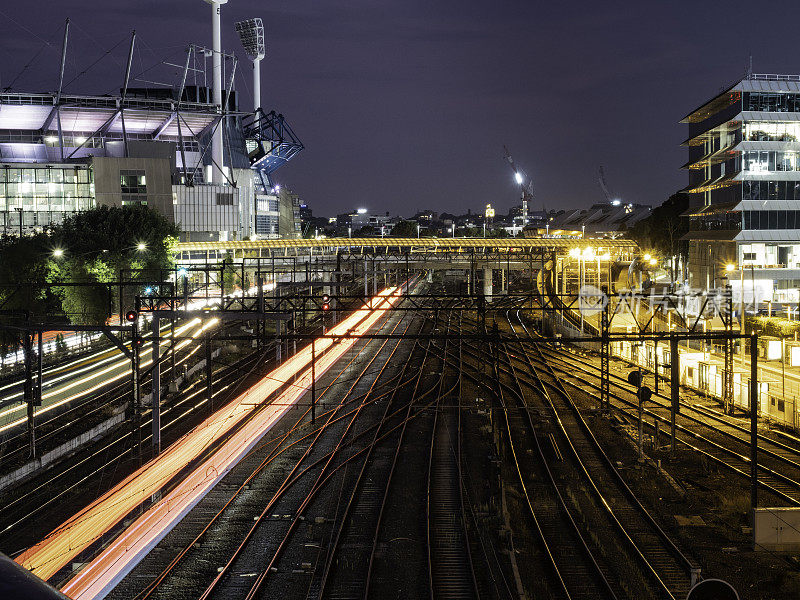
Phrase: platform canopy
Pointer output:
(450, 244)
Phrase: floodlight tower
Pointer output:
(251, 33)
(216, 66)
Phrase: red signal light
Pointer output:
(326, 306)
(131, 315)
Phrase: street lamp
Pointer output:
(141, 246)
(349, 231)
(417, 230)
(58, 253)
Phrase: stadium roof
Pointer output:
(87, 114)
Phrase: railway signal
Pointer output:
(131, 316)
(644, 394)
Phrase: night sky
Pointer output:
(406, 105)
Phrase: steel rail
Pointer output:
(646, 555)
(277, 451)
(258, 582)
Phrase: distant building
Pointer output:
(744, 186)
(604, 220)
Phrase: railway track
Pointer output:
(317, 463)
(450, 565)
(102, 462)
(352, 470)
(54, 427)
(110, 460)
(617, 521)
(657, 557)
(716, 437)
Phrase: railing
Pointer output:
(773, 77)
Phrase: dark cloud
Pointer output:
(406, 105)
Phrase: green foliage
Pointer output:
(228, 273)
(663, 229)
(96, 245)
(365, 231)
(405, 229)
(23, 271)
(774, 326)
(101, 246)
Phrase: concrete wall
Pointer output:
(158, 172)
(64, 449)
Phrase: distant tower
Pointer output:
(251, 32)
(216, 64)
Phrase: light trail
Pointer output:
(50, 401)
(94, 361)
(86, 527)
(16, 416)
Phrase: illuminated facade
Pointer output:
(64, 154)
(744, 185)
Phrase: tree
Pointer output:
(365, 231)
(101, 245)
(23, 271)
(404, 229)
(663, 229)
(228, 273)
(106, 243)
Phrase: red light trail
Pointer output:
(117, 559)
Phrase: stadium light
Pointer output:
(251, 34)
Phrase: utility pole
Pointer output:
(313, 382)
(605, 351)
(28, 391)
(754, 402)
(137, 400)
(727, 383)
(209, 382)
(156, 394)
(675, 388)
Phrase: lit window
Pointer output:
(133, 182)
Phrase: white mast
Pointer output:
(216, 65)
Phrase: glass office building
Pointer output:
(744, 186)
(42, 194)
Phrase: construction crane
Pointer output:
(525, 185)
(604, 186)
